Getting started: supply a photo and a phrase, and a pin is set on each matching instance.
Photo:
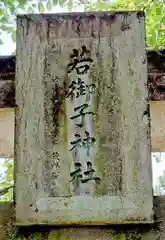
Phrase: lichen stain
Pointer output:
(136, 168)
(102, 103)
(57, 101)
(130, 69)
(65, 128)
(140, 14)
(137, 93)
(96, 77)
(58, 108)
(124, 27)
(101, 188)
(108, 17)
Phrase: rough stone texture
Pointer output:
(120, 125)
(155, 231)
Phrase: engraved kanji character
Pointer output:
(76, 144)
(77, 89)
(81, 90)
(87, 142)
(90, 174)
(81, 113)
(77, 174)
(72, 86)
(80, 57)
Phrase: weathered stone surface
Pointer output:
(117, 122)
(154, 231)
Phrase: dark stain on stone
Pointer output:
(78, 18)
(78, 27)
(57, 101)
(145, 113)
(36, 210)
(109, 18)
(113, 17)
(27, 27)
(48, 30)
(36, 185)
(144, 60)
(91, 17)
(124, 27)
(28, 22)
(140, 14)
(93, 35)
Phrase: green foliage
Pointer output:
(10, 8)
(41, 7)
(49, 5)
(4, 191)
(162, 180)
(160, 186)
(158, 158)
(6, 180)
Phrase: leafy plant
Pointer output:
(5, 190)
(6, 180)
(160, 186)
